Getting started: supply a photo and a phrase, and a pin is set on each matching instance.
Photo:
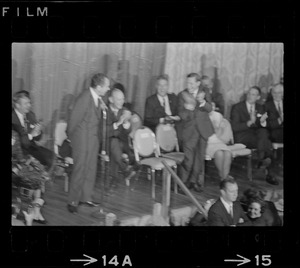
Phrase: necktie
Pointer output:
(231, 211)
(25, 123)
(163, 102)
(279, 108)
(251, 109)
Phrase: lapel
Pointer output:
(97, 110)
(26, 122)
(171, 103)
(158, 105)
(245, 110)
(228, 217)
(274, 108)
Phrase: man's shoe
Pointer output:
(264, 163)
(270, 179)
(89, 204)
(196, 187)
(72, 209)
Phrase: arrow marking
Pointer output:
(242, 261)
(89, 261)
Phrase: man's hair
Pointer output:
(20, 95)
(203, 77)
(226, 181)
(113, 90)
(276, 85)
(119, 86)
(162, 77)
(98, 80)
(257, 88)
(197, 76)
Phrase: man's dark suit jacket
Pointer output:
(84, 131)
(218, 215)
(16, 125)
(154, 111)
(120, 133)
(276, 129)
(29, 147)
(240, 116)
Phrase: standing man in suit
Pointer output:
(193, 144)
(248, 120)
(30, 130)
(226, 211)
(121, 155)
(161, 108)
(275, 119)
(83, 131)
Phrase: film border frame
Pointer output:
(283, 32)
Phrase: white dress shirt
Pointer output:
(95, 96)
(227, 206)
(280, 105)
(164, 101)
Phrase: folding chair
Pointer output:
(166, 138)
(64, 162)
(147, 153)
(276, 146)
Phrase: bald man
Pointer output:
(118, 135)
(274, 108)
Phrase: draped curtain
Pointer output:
(233, 67)
(56, 73)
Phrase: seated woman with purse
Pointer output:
(28, 176)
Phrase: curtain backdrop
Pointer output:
(55, 73)
(234, 67)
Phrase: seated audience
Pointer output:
(30, 130)
(121, 155)
(275, 119)
(226, 211)
(215, 148)
(215, 95)
(161, 108)
(248, 120)
(261, 212)
(28, 173)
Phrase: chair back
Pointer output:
(144, 143)
(166, 137)
(59, 134)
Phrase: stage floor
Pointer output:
(134, 201)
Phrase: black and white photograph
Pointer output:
(147, 134)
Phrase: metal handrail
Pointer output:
(185, 189)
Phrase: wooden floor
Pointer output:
(135, 201)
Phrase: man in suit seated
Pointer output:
(193, 144)
(30, 130)
(226, 211)
(274, 108)
(121, 155)
(213, 94)
(161, 108)
(248, 120)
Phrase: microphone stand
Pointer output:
(100, 214)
